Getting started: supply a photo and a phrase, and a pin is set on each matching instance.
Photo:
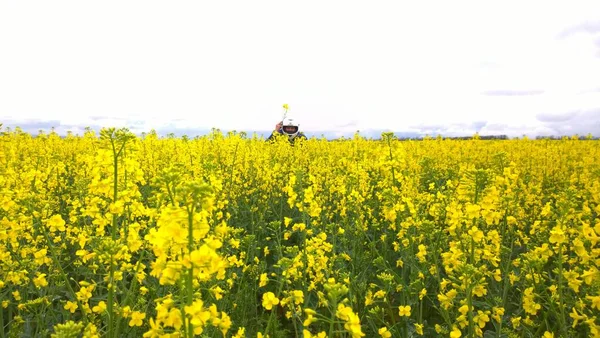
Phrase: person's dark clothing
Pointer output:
(280, 132)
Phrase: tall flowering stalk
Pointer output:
(117, 141)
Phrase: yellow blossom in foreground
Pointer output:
(101, 307)
(352, 324)
(404, 310)
(40, 281)
(557, 235)
(241, 333)
(263, 280)
(383, 332)
(529, 304)
(269, 300)
(71, 306)
(137, 318)
(307, 334)
(455, 333)
(56, 223)
(419, 329)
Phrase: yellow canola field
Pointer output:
(117, 235)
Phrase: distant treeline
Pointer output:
(484, 137)
(564, 137)
(502, 137)
(495, 137)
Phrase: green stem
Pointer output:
(560, 290)
(111, 295)
(421, 311)
(190, 275)
(171, 198)
(391, 159)
(111, 287)
(115, 195)
(506, 282)
(472, 251)
(470, 305)
(2, 323)
(182, 305)
(332, 322)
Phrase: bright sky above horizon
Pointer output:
(437, 67)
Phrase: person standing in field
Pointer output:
(288, 127)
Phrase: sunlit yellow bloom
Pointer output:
(455, 333)
(421, 255)
(404, 310)
(419, 329)
(269, 300)
(383, 332)
(529, 305)
(137, 318)
(101, 307)
(557, 235)
(56, 223)
(576, 317)
(71, 306)
(40, 281)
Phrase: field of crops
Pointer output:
(113, 235)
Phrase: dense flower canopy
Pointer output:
(117, 235)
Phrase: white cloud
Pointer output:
(341, 65)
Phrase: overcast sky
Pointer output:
(449, 67)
